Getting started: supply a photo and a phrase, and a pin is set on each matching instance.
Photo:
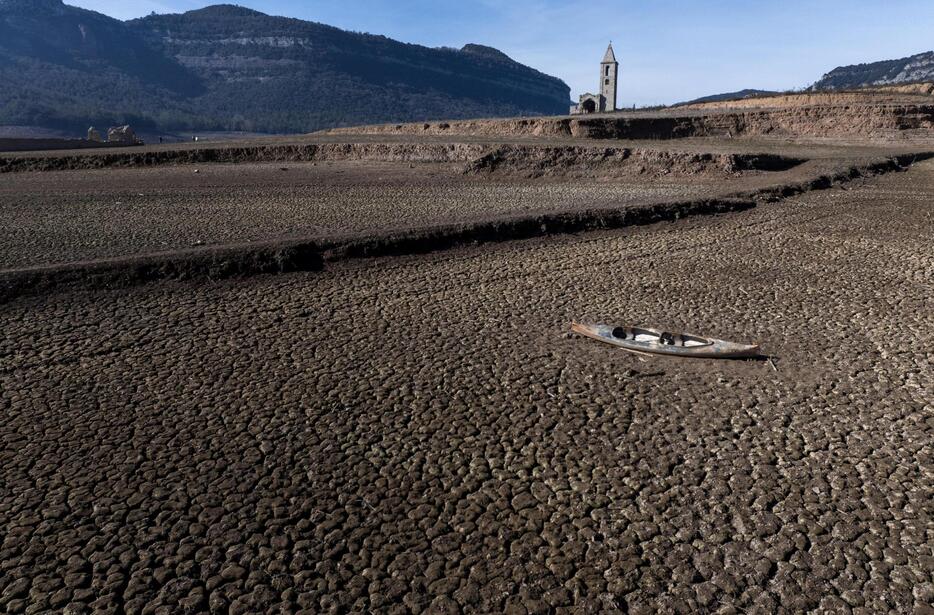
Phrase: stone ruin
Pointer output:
(122, 134)
(605, 101)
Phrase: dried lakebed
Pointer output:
(87, 215)
(401, 434)
(251, 217)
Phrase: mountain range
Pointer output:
(914, 69)
(742, 94)
(230, 68)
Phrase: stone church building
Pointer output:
(606, 99)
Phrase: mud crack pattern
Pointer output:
(421, 434)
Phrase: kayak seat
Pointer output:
(619, 333)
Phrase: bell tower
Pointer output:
(609, 73)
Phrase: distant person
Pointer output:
(160, 140)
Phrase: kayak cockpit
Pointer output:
(649, 336)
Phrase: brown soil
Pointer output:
(31, 145)
(422, 434)
(580, 159)
(611, 162)
(792, 118)
(399, 421)
(910, 88)
(86, 215)
(110, 227)
(313, 152)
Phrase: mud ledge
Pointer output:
(837, 120)
(597, 160)
(309, 152)
(241, 261)
(604, 162)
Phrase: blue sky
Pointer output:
(669, 50)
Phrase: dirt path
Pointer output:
(394, 434)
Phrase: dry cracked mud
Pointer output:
(422, 434)
(82, 215)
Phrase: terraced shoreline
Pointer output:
(473, 154)
(311, 253)
(866, 119)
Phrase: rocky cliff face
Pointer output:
(917, 68)
(230, 68)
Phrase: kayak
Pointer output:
(653, 341)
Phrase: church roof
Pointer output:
(610, 57)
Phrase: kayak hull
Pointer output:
(654, 341)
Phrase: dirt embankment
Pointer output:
(36, 145)
(311, 152)
(865, 121)
(290, 256)
(287, 256)
(610, 162)
(524, 160)
(910, 88)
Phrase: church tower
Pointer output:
(609, 73)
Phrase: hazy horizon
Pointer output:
(669, 51)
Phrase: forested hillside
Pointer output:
(914, 69)
(230, 68)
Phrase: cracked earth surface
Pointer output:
(68, 216)
(73, 216)
(421, 434)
